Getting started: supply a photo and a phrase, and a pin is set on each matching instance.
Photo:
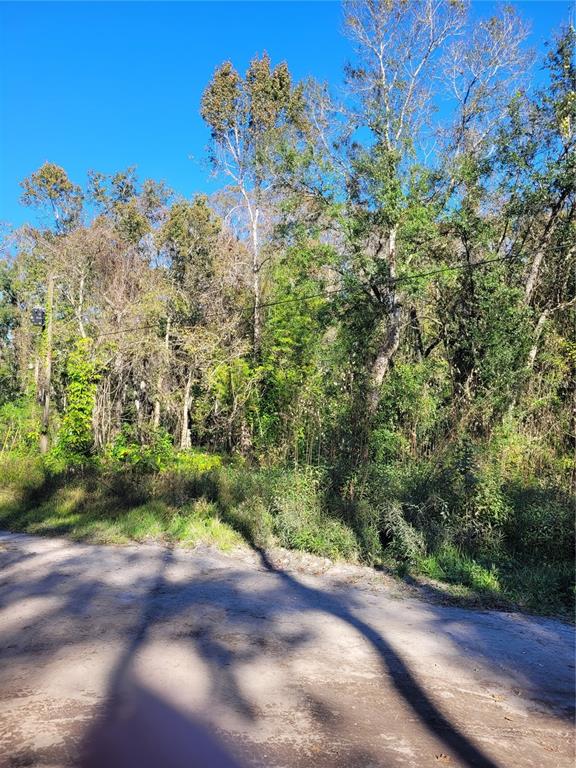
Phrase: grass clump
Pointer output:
(537, 587)
(455, 567)
(200, 523)
(110, 508)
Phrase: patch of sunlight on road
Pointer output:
(29, 609)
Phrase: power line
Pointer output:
(465, 265)
(331, 291)
(390, 281)
(327, 292)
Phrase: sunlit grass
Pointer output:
(85, 515)
(457, 568)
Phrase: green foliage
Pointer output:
(189, 236)
(252, 120)
(301, 522)
(541, 587)
(75, 440)
(378, 183)
(131, 223)
(541, 524)
(405, 542)
(8, 323)
(292, 391)
(134, 208)
(153, 453)
(405, 393)
(19, 426)
(253, 519)
(20, 472)
(221, 100)
(201, 523)
(225, 505)
(109, 191)
(251, 108)
(193, 460)
(488, 336)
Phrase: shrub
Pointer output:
(482, 515)
(365, 520)
(147, 521)
(144, 453)
(193, 460)
(233, 485)
(19, 426)
(199, 522)
(252, 518)
(541, 526)
(405, 541)
(122, 486)
(300, 521)
(74, 441)
(541, 587)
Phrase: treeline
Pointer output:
(383, 289)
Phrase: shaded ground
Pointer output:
(287, 669)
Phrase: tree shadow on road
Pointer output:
(393, 665)
(81, 601)
(220, 660)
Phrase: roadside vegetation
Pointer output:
(197, 498)
(358, 347)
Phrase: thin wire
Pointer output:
(327, 292)
(390, 281)
(332, 291)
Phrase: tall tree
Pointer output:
(246, 118)
(50, 190)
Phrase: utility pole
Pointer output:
(44, 440)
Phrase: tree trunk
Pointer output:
(539, 328)
(44, 437)
(80, 307)
(573, 438)
(185, 432)
(384, 356)
(533, 272)
(254, 216)
(537, 333)
(388, 332)
(156, 416)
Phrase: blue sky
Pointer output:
(108, 85)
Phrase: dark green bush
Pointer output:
(541, 525)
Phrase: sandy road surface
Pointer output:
(286, 669)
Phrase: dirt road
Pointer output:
(286, 669)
